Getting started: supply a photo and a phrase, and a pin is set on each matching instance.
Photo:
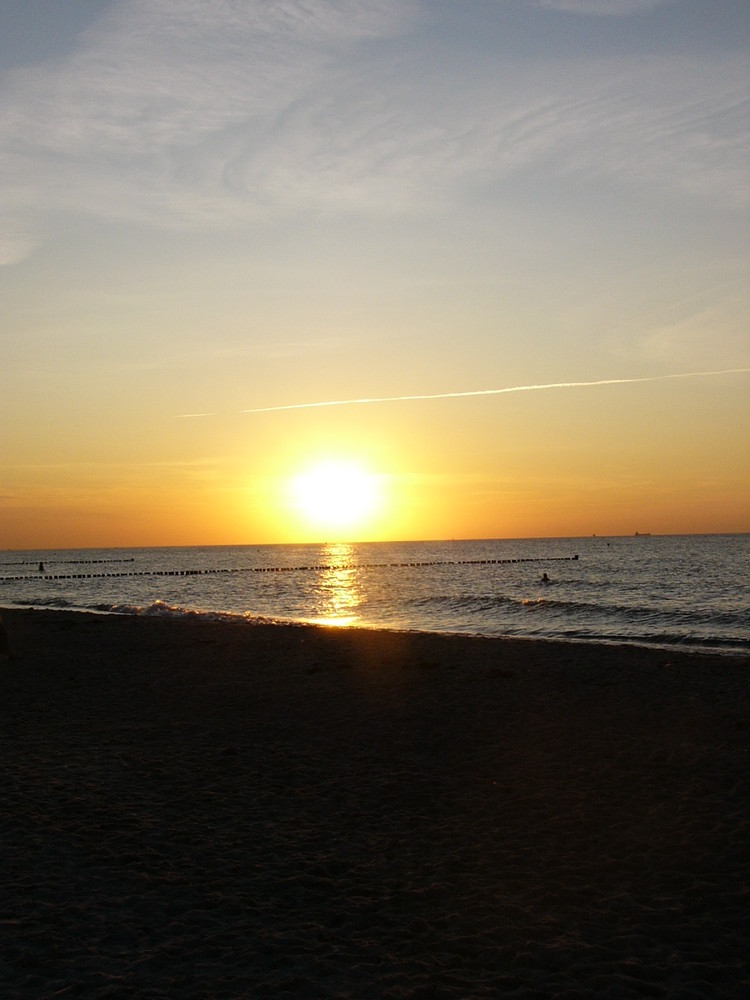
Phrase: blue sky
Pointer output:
(207, 208)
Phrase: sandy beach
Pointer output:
(197, 809)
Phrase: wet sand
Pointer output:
(195, 809)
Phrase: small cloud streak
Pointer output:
(603, 8)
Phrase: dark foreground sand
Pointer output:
(201, 810)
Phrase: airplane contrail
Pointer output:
(488, 392)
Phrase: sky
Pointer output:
(214, 213)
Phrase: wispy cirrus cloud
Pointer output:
(144, 120)
(203, 114)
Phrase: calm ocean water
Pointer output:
(688, 591)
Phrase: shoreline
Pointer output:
(237, 619)
(196, 809)
(613, 594)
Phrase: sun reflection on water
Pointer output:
(338, 588)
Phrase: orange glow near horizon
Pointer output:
(610, 462)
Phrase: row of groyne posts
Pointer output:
(314, 568)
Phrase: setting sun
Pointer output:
(336, 494)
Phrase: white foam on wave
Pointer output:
(160, 609)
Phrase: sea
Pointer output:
(686, 591)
